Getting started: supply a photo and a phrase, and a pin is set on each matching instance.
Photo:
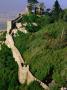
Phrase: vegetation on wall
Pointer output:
(45, 52)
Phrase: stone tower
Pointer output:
(36, 8)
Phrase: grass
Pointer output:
(3, 36)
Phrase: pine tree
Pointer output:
(56, 10)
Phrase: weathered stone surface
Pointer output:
(25, 24)
(23, 30)
(10, 43)
(18, 25)
(9, 26)
(63, 88)
(14, 31)
(22, 73)
(30, 77)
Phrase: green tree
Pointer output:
(32, 1)
(8, 70)
(56, 10)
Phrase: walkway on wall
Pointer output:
(24, 75)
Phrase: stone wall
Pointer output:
(9, 26)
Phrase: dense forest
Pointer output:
(44, 49)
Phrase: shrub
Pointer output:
(8, 70)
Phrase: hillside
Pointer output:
(46, 53)
(33, 55)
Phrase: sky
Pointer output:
(12, 7)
